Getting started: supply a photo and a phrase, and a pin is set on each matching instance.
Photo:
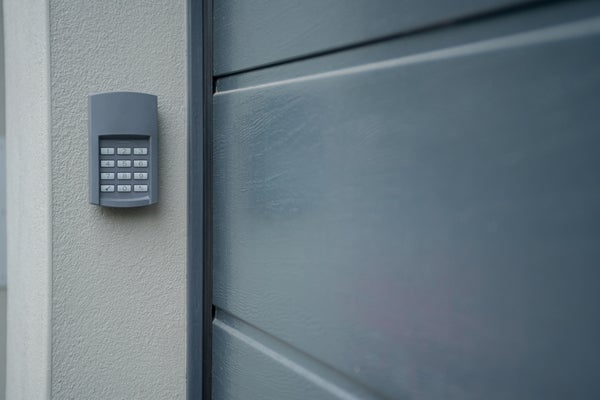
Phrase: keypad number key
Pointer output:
(107, 163)
(140, 163)
(124, 163)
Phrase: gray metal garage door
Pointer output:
(406, 200)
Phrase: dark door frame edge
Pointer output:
(199, 214)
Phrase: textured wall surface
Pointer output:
(2, 220)
(118, 299)
(2, 162)
(2, 343)
(28, 198)
(97, 299)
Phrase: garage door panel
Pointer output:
(251, 33)
(426, 227)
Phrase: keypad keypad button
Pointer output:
(124, 169)
(107, 163)
(140, 163)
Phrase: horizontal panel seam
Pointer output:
(255, 338)
(567, 31)
(433, 25)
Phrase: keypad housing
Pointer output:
(123, 149)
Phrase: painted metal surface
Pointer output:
(418, 227)
(199, 280)
(251, 33)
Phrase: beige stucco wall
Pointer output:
(97, 295)
(28, 198)
(2, 342)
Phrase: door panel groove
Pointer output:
(564, 32)
(253, 34)
(484, 14)
(510, 31)
(293, 359)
